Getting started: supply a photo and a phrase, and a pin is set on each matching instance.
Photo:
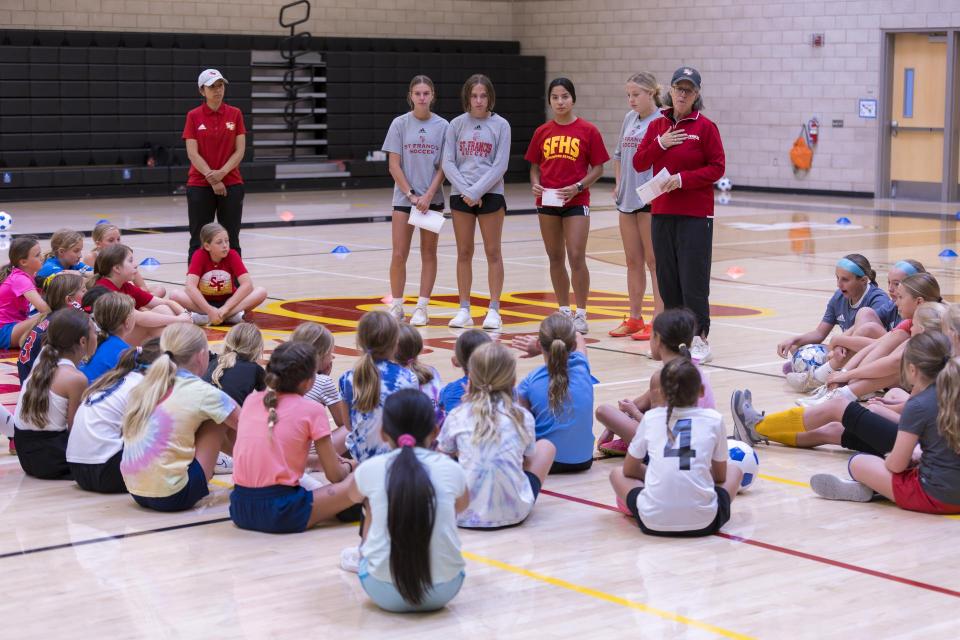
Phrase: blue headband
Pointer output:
(849, 265)
(906, 267)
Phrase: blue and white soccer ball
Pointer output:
(742, 455)
(6, 220)
(809, 356)
(724, 184)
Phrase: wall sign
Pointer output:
(868, 108)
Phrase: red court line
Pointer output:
(784, 550)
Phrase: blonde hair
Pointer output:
(493, 373)
(210, 231)
(928, 352)
(951, 319)
(648, 82)
(377, 334)
(179, 343)
(317, 335)
(409, 346)
(101, 230)
(132, 359)
(245, 342)
(921, 285)
(62, 239)
(111, 310)
(948, 399)
(558, 339)
(929, 315)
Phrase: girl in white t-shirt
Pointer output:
(410, 556)
(95, 446)
(409, 348)
(495, 441)
(675, 479)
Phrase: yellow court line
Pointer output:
(221, 483)
(606, 597)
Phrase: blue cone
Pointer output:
(843, 220)
(103, 221)
(340, 249)
(150, 264)
(957, 215)
(948, 253)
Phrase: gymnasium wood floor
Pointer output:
(788, 564)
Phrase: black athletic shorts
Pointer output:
(43, 454)
(565, 212)
(646, 209)
(865, 431)
(433, 207)
(100, 478)
(489, 203)
(723, 515)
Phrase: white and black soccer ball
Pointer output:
(724, 184)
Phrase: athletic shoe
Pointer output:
(700, 350)
(567, 312)
(461, 320)
(629, 326)
(224, 465)
(396, 310)
(802, 382)
(834, 488)
(350, 559)
(616, 447)
(492, 322)
(580, 322)
(235, 318)
(821, 395)
(199, 319)
(644, 334)
(419, 317)
(310, 483)
(745, 418)
(12, 447)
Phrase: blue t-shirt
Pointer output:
(452, 394)
(52, 265)
(571, 432)
(105, 358)
(890, 316)
(840, 312)
(364, 440)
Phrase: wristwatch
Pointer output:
(579, 187)
(411, 192)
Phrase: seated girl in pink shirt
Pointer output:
(276, 430)
(18, 291)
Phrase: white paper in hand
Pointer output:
(551, 198)
(429, 220)
(649, 190)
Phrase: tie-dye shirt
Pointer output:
(154, 465)
(500, 493)
(364, 440)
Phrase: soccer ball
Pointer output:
(6, 220)
(723, 198)
(724, 184)
(743, 456)
(809, 356)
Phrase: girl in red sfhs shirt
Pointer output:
(116, 270)
(566, 156)
(219, 290)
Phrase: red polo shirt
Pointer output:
(699, 160)
(216, 135)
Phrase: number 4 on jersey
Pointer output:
(681, 435)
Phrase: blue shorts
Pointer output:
(6, 333)
(275, 509)
(386, 596)
(182, 500)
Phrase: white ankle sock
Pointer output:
(820, 373)
(565, 310)
(423, 302)
(845, 392)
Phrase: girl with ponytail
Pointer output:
(50, 396)
(175, 425)
(113, 313)
(18, 291)
(275, 432)
(65, 290)
(930, 420)
(675, 480)
(560, 393)
(495, 442)
(373, 378)
(236, 370)
(409, 347)
(410, 555)
(324, 389)
(96, 444)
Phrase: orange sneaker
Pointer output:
(629, 326)
(644, 333)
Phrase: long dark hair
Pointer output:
(566, 84)
(20, 249)
(680, 384)
(411, 501)
(675, 328)
(290, 364)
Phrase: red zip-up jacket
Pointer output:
(699, 160)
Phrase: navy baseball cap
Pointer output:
(686, 73)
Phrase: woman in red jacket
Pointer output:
(688, 145)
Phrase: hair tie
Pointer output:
(681, 346)
(169, 354)
(849, 265)
(407, 440)
(409, 362)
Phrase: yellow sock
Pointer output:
(782, 427)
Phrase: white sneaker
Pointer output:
(567, 311)
(802, 382)
(396, 310)
(580, 322)
(224, 465)
(199, 319)
(419, 317)
(235, 318)
(462, 319)
(350, 559)
(492, 322)
(819, 397)
(700, 350)
(310, 483)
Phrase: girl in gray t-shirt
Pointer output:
(643, 95)
(475, 157)
(414, 144)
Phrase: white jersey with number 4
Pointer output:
(678, 492)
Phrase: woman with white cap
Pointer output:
(216, 140)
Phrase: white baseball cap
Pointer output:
(208, 77)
